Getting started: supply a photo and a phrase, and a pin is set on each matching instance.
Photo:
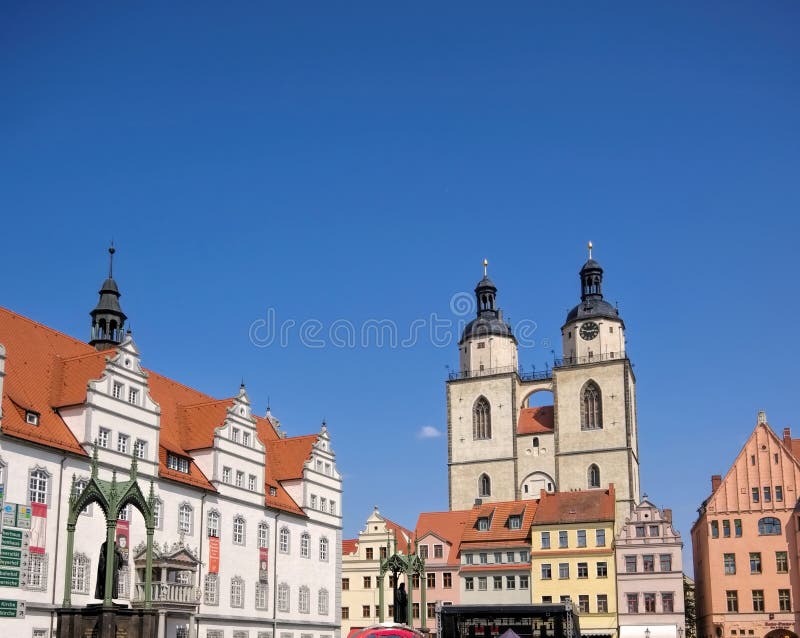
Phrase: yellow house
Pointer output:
(572, 556)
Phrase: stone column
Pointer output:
(162, 623)
(192, 626)
(380, 599)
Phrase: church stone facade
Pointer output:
(500, 448)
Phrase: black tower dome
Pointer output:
(489, 321)
(592, 305)
(108, 320)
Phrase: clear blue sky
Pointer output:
(358, 161)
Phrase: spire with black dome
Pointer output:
(108, 320)
(489, 320)
(592, 304)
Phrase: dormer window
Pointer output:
(514, 522)
(177, 463)
(483, 524)
(32, 418)
(273, 491)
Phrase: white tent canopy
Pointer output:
(656, 631)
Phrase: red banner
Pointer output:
(213, 555)
(38, 528)
(263, 565)
(124, 538)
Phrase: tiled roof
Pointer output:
(449, 526)
(349, 546)
(583, 506)
(539, 420)
(400, 534)
(498, 515)
(47, 370)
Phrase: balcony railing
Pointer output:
(455, 375)
(568, 362)
(170, 593)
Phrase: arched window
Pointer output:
(304, 602)
(80, 574)
(536, 441)
(591, 407)
(484, 485)
(322, 602)
(283, 597)
(323, 549)
(212, 524)
(263, 535)
(185, 518)
(238, 530)
(769, 526)
(283, 540)
(594, 476)
(481, 419)
(305, 544)
(38, 486)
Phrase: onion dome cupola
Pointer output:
(592, 305)
(108, 320)
(487, 342)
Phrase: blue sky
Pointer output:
(355, 162)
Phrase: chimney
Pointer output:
(478, 502)
(716, 480)
(668, 515)
(787, 437)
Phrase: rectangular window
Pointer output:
(423, 551)
(511, 582)
(415, 610)
(367, 582)
(483, 524)
(583, 570)
(732, 596)
(484, 558)
(630, 564)
(235, 435)
(469, 583)
(784, 600)
(211, 595)
(779, 493)
(497, 582)
(758, 600)
(261, 596)
(665, 562)
(545, 540)
(737, 527)
(639, 531)
(509, 557)
(581, 538)
(755, 494)
(726, 528)
(667, 602)
(116, 390)
(239, 478)
(562, 539)
(498, 557)
(602, 603)
(345, 613)
(246, 439)
(563, 570)
(648, 563)
(345, 584)
(103, 434)
(600, 537)
(133, 396)
(447, 580)
(602, 569)
(431, 611)
(226, 475)
(123, 441)
(365, 611)
(714, 529)
(633, 603)
(431, 579)
(140, 448)
(523, 556)
(547, 571)
(523, 581)
(729, 561)
(781, 562)
(547, 599)
(468, 559)
(438, 550)
(767, 494)
(583, 604)
(482, 583)
(649, 603)
(654, 530)
(755, 562)
(251, 482)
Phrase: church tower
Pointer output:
(108, 320)
(481, 415)
(595, 394)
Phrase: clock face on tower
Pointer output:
(589, 330)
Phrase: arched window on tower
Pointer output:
(591, 407)
(481, 420)
(484, 485)
(594, 476)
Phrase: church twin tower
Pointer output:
(500, 448)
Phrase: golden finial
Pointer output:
(590, 249)
(485, 266)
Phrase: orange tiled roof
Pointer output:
(349, 546)
(539, 420)
(400, 534)
(449, 526)
(498, 514)
(582, 506)
(47, 370)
